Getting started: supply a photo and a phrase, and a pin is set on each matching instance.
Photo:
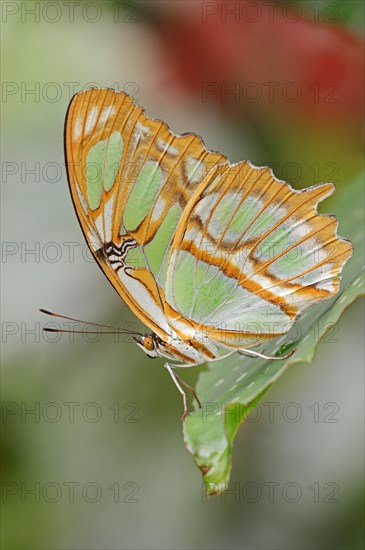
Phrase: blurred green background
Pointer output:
(100, 462)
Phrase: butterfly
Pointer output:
(213, 257)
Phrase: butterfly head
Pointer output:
(149, 344)
(154, 346)
(174, 348)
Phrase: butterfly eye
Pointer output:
(148, 343)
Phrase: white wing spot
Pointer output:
(94, 240)
(106, 114)
(100, 226)
(165, 147)
(205, 205)
(140, 132)
(108, 213)
(77, 129)
(158, 209)
(194, 169)
(91, 120)
(81, 199)
(113, 258)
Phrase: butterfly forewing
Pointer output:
(130, 179)
(249, 255)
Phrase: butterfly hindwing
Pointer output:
(249, 255)
(130, 179)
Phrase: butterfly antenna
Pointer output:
(48, 329)
(52, 314)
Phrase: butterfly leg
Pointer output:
(222, 356)
(190, 388)
(172, 374)
(178, 383)
(251, 353)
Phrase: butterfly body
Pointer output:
(213, 257)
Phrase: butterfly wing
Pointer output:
(130, 179)
(249, 255)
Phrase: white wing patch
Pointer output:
(140, 132)
(158, 209)
(91, 120)
(205, 205)
(166, 148)
(106, 114)
(99, 222)
(108, 218)
(94, 239)
(194, 169)
(77, 130)
(81, 198)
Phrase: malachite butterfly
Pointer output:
(213, 257)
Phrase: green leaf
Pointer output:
(230, 388)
